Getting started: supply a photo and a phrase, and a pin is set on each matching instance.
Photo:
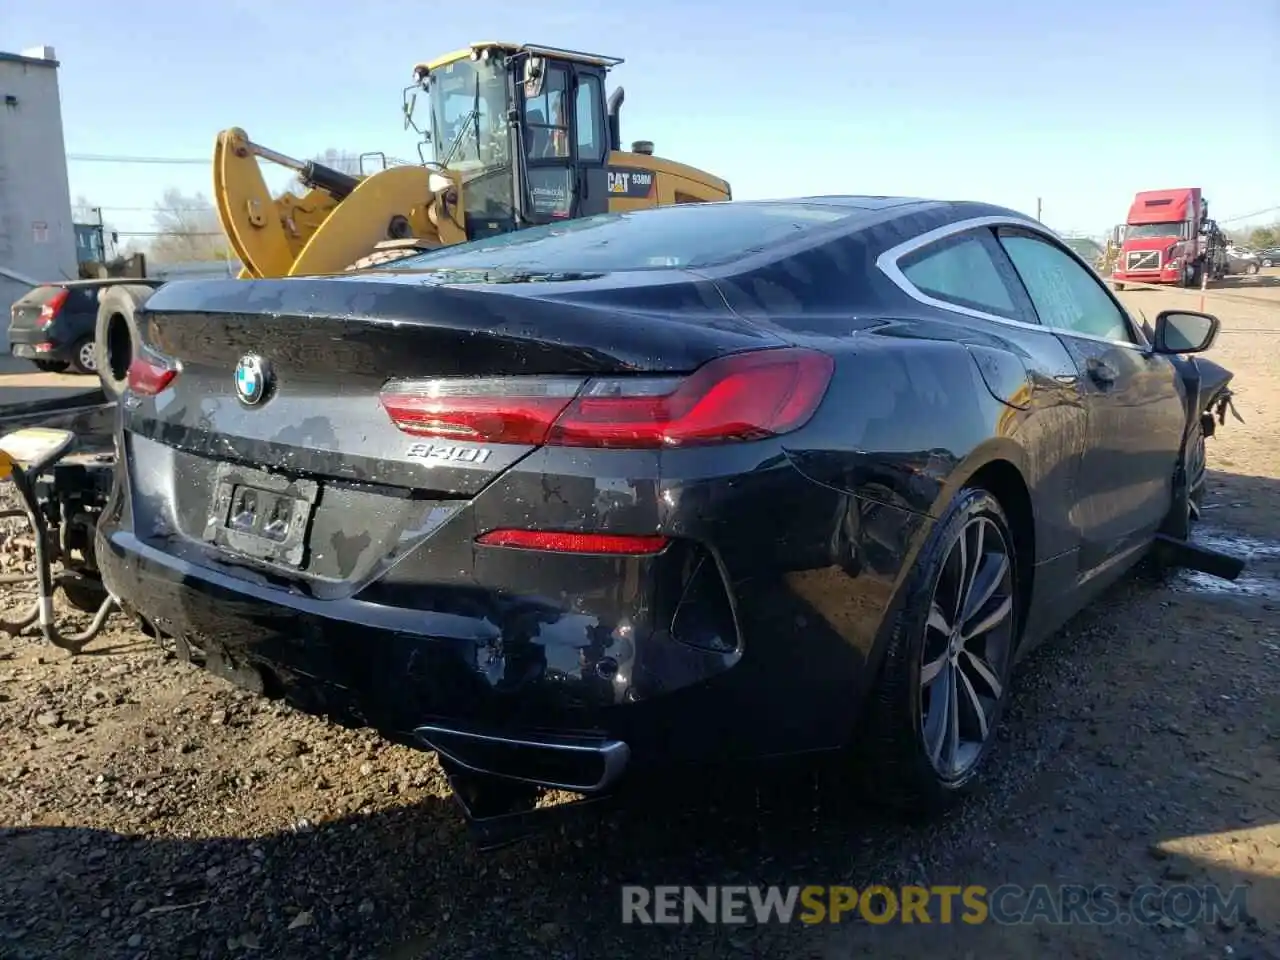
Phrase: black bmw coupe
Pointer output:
(706, 483)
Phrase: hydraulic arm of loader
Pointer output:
(337, 222)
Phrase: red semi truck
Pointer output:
(1169, 238)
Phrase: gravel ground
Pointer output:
(148, 810)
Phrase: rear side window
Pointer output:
(681, 236)
(960, 270)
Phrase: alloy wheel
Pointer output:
(86, 358)
(967, 645)
(1196, 475)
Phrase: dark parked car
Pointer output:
(52, 325)
(1269, 258)
(1241, 262)
(707, 482)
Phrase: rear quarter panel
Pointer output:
(909, 420)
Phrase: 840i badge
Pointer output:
(448, 452)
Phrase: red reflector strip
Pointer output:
(561, 542)
(149, 376)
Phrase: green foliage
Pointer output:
(1264, 238)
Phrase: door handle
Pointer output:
(1102, 373)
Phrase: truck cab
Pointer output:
(1168, 238)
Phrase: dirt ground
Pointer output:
(148, 810)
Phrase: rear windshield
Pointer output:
(79, 296)
(39, 296)
(689, 235)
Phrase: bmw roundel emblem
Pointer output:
(253, 379)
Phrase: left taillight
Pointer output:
(744, 396)
(52, 307)
(150, 373)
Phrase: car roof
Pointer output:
(860, 202)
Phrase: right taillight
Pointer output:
(49, 310)
(149, 374)
(745, 396)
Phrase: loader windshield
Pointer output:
(468, 114)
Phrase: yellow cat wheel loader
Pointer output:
(518, 134)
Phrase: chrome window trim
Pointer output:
(888, 264)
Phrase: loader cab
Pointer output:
(566, 136)
(526, 127)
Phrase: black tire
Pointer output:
(116, 333)
(85, 356)
(897, 768)
(50, 366)
(390, 252)
(1268, 262)
(1251, 269)
(84, 595)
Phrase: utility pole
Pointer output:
(1038, 207)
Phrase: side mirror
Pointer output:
(1183, 331)
(532, 75)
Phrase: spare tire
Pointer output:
(116, 333)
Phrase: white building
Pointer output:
(37, 241)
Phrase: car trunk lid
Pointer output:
(368, 410)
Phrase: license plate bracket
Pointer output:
(261, 515)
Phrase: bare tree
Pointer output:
(341, 160)
(187, 229)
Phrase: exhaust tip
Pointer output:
(576, 764)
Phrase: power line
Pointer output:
(113, 158)
(159, 209)
(121, 158)
(1246, 216)
(168, 233)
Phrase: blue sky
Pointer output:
(1079, 103)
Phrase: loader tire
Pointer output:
(116, 334)
(391, 250)
(379, 257)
